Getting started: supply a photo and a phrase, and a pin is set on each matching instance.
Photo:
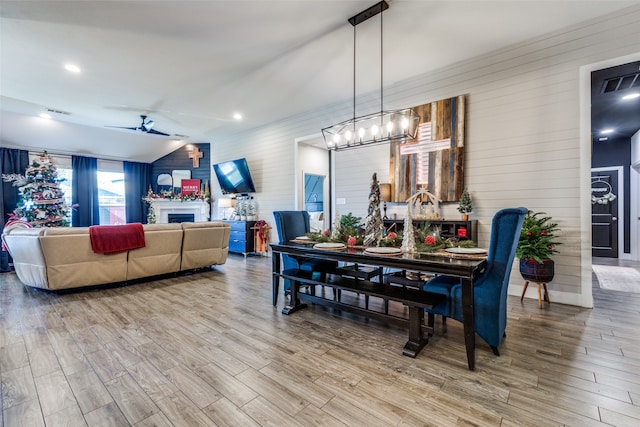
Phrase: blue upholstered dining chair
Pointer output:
(490, 289)
(291, 224)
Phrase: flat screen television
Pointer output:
(234, 177)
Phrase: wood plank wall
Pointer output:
(522, 144)
(180, 160)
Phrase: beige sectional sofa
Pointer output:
(62, 258)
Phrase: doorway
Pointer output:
(312, 182)
(614, 194)
(606, 188)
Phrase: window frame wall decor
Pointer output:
(435, 159)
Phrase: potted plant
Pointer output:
(465, 206)
(535, 247)
(250, 210)
(241, 210)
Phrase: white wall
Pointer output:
(524, 145)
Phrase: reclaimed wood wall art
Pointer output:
(435, 159)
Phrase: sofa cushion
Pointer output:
(72, 263)
(58, 231)
(157, 227)
(204, 244)
(161, 254)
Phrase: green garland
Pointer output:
(427, 239)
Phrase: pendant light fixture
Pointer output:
(383, 126)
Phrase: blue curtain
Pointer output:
(11, 161)
(85, 191)
(137, 179)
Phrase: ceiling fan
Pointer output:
(146, 126)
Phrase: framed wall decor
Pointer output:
(435, 159)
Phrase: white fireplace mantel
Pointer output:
(164, 207)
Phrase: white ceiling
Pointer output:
(189, 65)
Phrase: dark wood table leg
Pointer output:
(417, 339)
(468, 321)
(275, 271)
(294, 303)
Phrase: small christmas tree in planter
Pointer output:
(42, 201)
(465, 206)
(535, 247)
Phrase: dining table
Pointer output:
(465, 267)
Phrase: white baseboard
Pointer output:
(555, 296)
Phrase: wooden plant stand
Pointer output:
(546, 292)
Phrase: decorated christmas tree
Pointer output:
(42, 201)
(465, 205)
(373, 224)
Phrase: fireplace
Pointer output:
(198, 210)
(181, 217)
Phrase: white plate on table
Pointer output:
(383, 251)
(329, 245)
(302, 238)
(468, 251)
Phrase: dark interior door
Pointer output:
(604, 214)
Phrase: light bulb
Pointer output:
(347, 135)
(389, 127)
(374, 130)
(404, 123)
(361, 133)
(336, 138)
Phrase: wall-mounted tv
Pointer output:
(234, 177)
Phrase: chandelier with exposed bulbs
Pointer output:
(383, 126)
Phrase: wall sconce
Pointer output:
(385, 196)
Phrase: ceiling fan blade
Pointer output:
(121, 127)
(155, 132)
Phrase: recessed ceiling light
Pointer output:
(603, 138)
(72, 67)
(631, 96)
(606, 131)
(45, 116)
(237, 116)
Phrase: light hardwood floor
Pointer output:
(209, 349)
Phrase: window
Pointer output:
(110, 187)
(111, 192)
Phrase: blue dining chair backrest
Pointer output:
(291, 224)
(490, 289)
(491, 311)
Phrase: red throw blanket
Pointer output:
(113, 239)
